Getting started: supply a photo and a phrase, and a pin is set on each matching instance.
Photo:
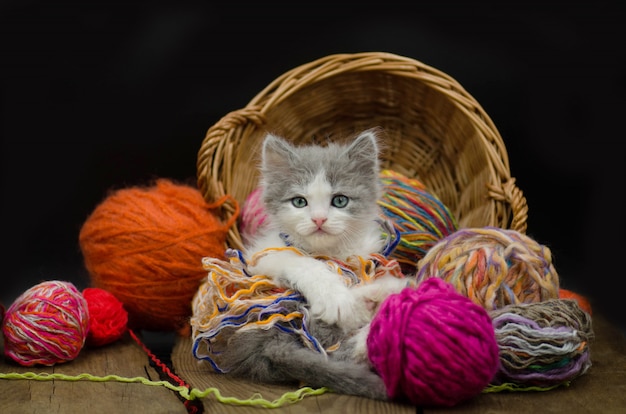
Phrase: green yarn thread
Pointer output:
(188, 394)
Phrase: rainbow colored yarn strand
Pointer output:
(420, 217)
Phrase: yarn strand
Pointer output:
(183, 391)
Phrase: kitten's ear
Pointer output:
(368, 140)
(275, 150)
(366, 146)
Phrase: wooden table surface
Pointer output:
(124, 358)
(601, 390)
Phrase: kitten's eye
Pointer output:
(299, 202)
(340, 201)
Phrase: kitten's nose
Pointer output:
(319, 221)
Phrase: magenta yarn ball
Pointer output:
(433, 346)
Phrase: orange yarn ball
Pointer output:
(582, 301)
(145, 246)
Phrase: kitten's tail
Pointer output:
(280, 359)
(341, 376)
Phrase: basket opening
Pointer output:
(425, 135)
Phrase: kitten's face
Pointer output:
(323, 198)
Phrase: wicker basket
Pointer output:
(434, 131)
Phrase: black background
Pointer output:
(100, 96)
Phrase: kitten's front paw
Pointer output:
(374, 293)
(337, 305)
(260, 267)
(358, 342)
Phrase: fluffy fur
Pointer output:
(323, 200)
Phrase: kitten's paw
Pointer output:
(337, 305)
(373, 294)
(260, 267)
(358, 342)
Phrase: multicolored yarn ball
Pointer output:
(108, 320)
(494, 267)
(542, 344)
(46, 325)
(433, 346)
(145, 245)
(420, 217)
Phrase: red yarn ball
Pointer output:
(433, 346)
(145, 245)
(107, 317)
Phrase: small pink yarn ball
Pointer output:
(46, 325)
(253, 215)
(433, 346)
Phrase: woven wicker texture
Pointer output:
(434, 130)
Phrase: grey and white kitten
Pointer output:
(322, 200)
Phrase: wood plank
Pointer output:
(201, 376)
(602, 389)
(123, 358)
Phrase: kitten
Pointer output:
(322, 200)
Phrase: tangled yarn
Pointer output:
(542, 344)
(145, 246)
(47, 324)
(432, 346)
(420, 217)
(493, 267)
(231, 299)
